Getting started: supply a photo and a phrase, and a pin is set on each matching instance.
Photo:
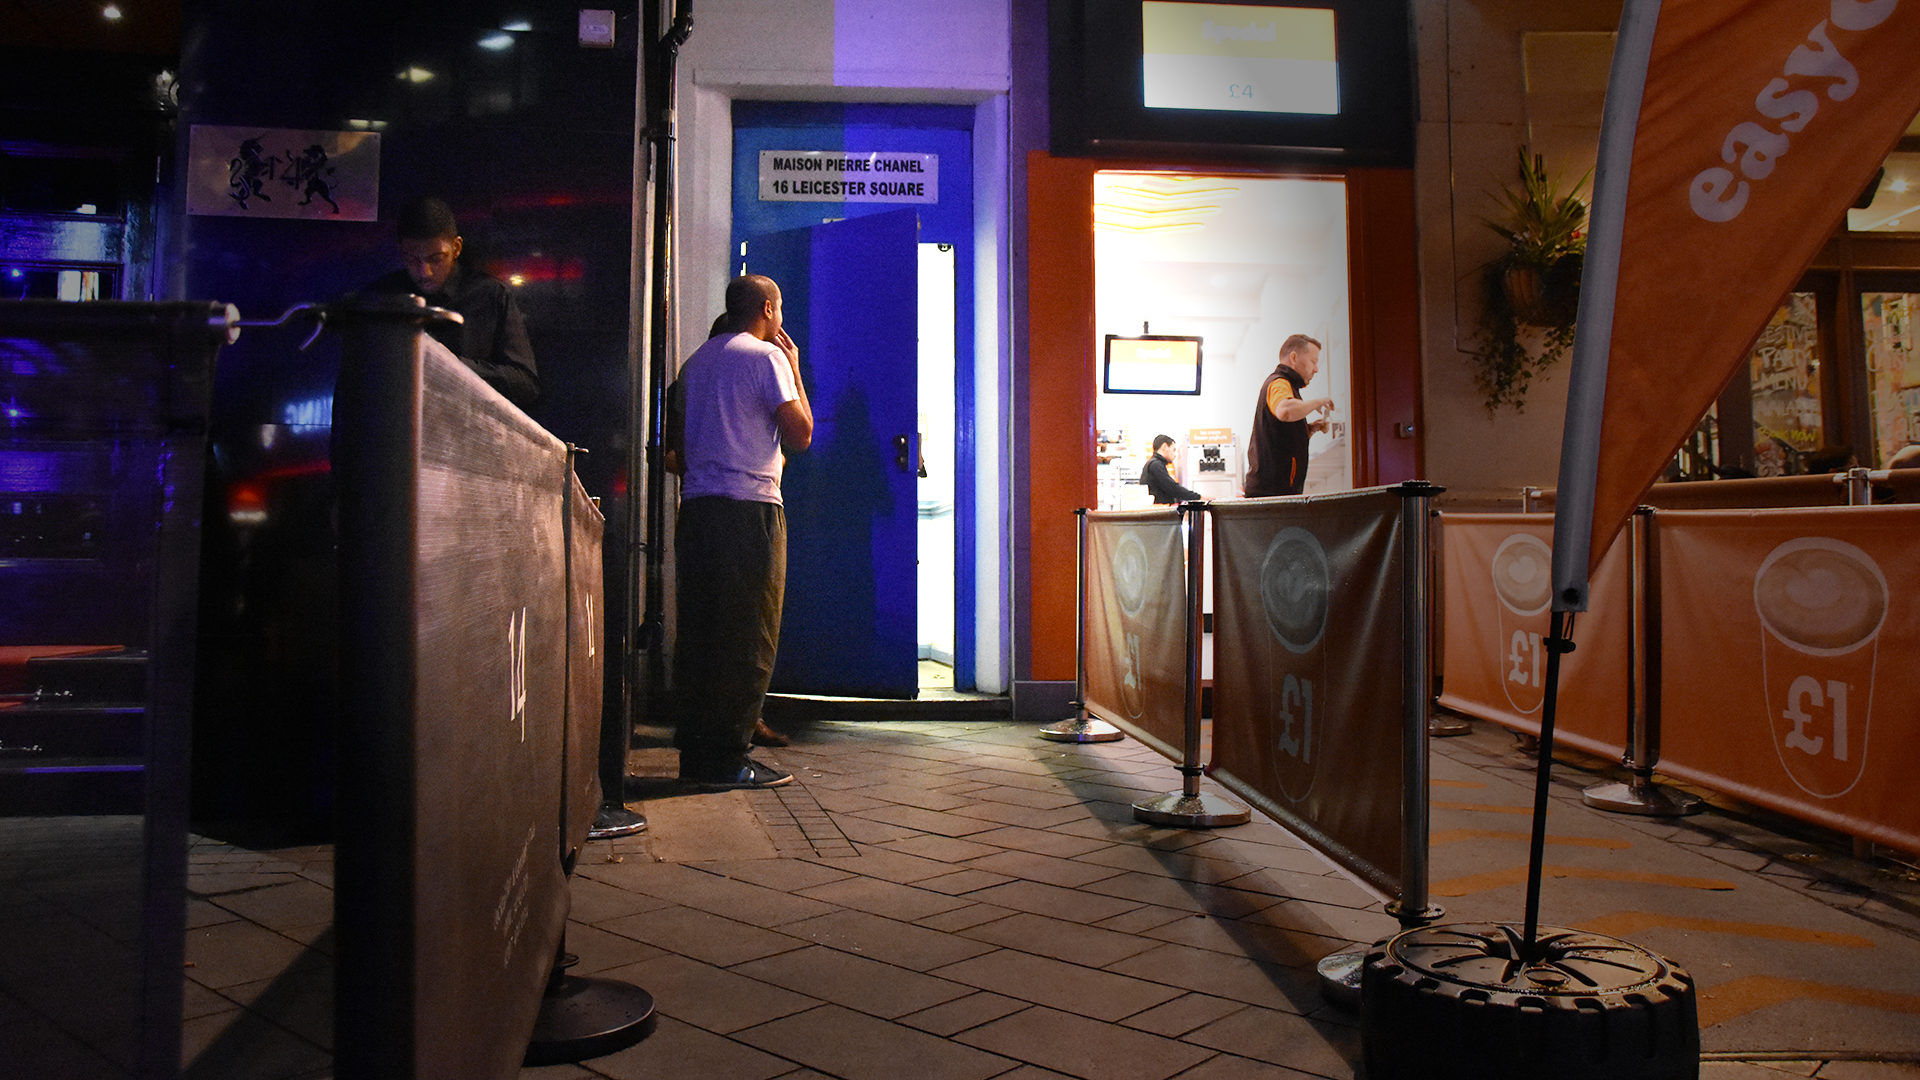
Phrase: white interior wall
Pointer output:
(901, 51)
(1271, 261)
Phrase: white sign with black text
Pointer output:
(848, 176)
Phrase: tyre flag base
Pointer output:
(1491, 1001)
(1464, 1000)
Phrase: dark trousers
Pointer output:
(731, 559)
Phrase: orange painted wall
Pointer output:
(1060, 396)
(1383, 289)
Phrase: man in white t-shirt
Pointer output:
(745, 408)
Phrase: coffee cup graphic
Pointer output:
(1523, 582)
(1130, 587)
(1296, 586)
(1821, 604)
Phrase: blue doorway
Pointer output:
(935, 144)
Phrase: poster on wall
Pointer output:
(283, 173)
(848, 176)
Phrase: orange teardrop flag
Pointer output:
(1736, 134)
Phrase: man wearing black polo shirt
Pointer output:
(493, 339)
(1283, 421)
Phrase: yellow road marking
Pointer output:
(1491, 808)
(1752, 992)
(1625, 924)
(1515, 875)
(1449, 836)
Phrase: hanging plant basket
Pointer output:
(1533, 289)
(1542, 296)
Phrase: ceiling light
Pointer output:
(518, 26)
(414, 75)
(111, 13)
(498, 41)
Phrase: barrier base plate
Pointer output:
(1640, 797)
(584, 1017)
(1446, 727)
(614, 821)
(1202, 811)
(1340, 978)
(1081, 729)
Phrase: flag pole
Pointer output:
(1593, 332)
(1586, 396)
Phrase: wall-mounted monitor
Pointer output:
(1328, 80)
(1151, 364)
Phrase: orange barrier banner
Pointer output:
(1135, 646)
(1785, 640)
(1496, 593)
(1308, 639)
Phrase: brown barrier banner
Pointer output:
(1785, 640)
(1496, 592)
(451, 899)
(1135, 645)
(1307, 666)
(586, 663)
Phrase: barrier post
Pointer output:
(1189, 807)
(1341, 972)
(1639, 794)
(1859, 488)
(1081, 728)
(1413, 908)
(1859, 482)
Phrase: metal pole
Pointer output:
(1859, 491)
(1416, 682)
(1341, 973)
(1081, 728)
(1639, 794)
(1188, 807)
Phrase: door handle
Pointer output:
(900, 445)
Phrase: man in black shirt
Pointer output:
(1154, 474)
(1283, 421)
(493, 339)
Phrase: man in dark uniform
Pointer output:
(1154, 474)
(493, 339)
(1283, 421)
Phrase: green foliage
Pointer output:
(1532, 290)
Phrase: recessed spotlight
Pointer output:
(111, 13)
(518, 26)
(498, 41)
(414, 75)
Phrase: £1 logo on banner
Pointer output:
(1130, 588)
(1821, 604)
(1295, 591)
(1523, 580)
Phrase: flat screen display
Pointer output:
(1154, 364)
(1318, 82)
(1238, 58)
